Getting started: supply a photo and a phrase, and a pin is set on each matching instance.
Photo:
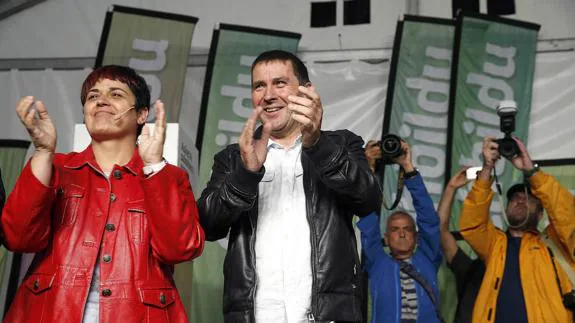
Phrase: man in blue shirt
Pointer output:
(404, 283)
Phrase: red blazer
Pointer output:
(139, 227)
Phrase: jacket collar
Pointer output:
(86, 157)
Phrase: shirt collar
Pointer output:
(274, 145)
(86, 157)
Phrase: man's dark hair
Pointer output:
(123, 74)
(298, 66)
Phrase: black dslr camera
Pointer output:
(390, 146)
(507, 146)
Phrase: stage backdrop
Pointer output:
(418, 100)
(493, 60)
(155, 44)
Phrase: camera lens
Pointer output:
(391, 146)
(508, 147)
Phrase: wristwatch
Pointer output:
(529, 173)
(408, 175)
(154, 168)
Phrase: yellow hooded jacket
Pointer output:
(543, 299)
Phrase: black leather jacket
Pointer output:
(337, 184)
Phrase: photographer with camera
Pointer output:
(404, 283)
(524, 279)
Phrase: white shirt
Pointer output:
(92, 309)
(283, 245)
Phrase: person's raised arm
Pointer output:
(26, 220)
(39, 125)
(427, 219)
(340, 163)
(233, 190)
(448, 243)
(556, 199)
(475, 223)
(176, 234)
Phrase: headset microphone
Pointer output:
(119, 116)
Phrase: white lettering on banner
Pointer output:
(147, 65)
(229, 129)
(159, 48)
(427, 127)
(483, 121)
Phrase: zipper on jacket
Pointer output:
(310, 318)
(313, 268)
(253, 252)
(309, 202)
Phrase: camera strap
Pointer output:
(412, 272)
(400, 177)
(558, 255)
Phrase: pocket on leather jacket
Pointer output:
(157, 297)
(68, 201)
(156, 303)
(39, 282)
(136, 213)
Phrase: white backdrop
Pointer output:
(353, 94)
(72, 28)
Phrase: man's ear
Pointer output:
(386, 239)
(143, 115)
(307, 84)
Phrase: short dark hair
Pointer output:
(298, 66)
(126, 75)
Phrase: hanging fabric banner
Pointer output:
(156, 45)
(418, 99)
(417, 108)
(226, 105)
(494, 60)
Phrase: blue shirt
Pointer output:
(383, 270)
(511, 302)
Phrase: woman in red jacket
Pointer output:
(107, 224)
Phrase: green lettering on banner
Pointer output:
(226, 105)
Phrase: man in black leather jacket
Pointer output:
(286, 194)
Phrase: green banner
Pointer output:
(417, 108)
(418, 100)
(12, 160)
(563, 170)
(156, 45)
(494, 60)
(226, 105)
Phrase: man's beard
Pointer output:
(524, 224)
